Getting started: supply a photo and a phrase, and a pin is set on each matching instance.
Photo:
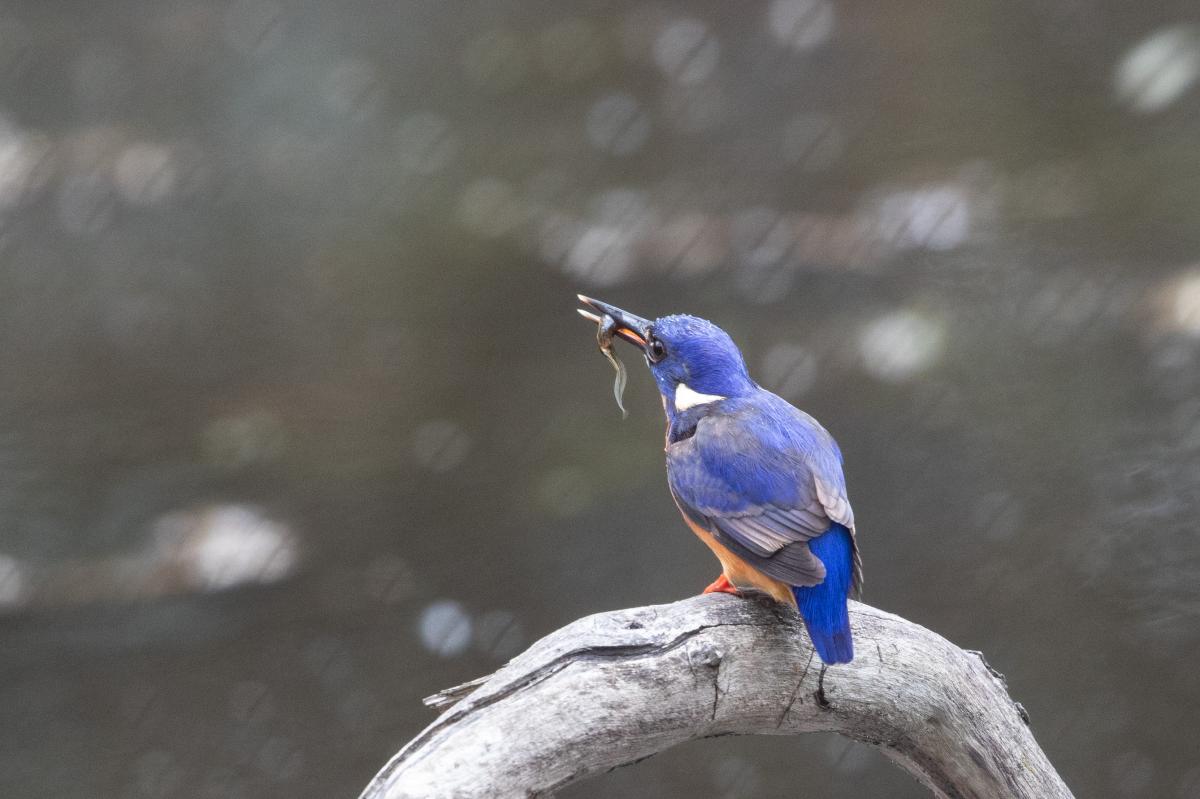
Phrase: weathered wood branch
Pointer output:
(618, 687)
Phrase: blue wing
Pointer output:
(765, 478)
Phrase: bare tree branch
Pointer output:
(618, 687)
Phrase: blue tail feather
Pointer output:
(823, 606)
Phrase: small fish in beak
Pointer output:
(606, 331)
(612, 323)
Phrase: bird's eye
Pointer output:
(655, 351)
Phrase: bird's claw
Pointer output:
(721, 585)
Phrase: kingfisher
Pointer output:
(758, 480)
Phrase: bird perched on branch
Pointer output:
(758, 480)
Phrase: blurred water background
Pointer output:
(299, 425)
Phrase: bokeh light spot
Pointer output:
(1159, 69)
(556, 236)
(617, 124)
(1177, 301)
(900, 345)
(24, 162)
(445, 628)
(801, 24)
(936, 217)
(440, 445)
(145, 174)
(13, 582)
(762, 237)
(227, 545)
(352, 91)
(686, 51)
(689, 245)
(602, 255)
(425, 143)
(244, 439)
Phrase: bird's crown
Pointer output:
(700, 354)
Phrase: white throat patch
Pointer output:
(686, 398)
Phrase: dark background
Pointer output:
(299, 425)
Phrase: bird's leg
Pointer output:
(721, 585)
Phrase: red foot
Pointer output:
(722, 586)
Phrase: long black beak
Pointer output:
(633, 329)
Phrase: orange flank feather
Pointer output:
(743, 576)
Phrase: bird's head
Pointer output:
(693, 361)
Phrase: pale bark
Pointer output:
(618, 687)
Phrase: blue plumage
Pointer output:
(760, 480)
(823, 606)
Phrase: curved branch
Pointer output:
(618, 687)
